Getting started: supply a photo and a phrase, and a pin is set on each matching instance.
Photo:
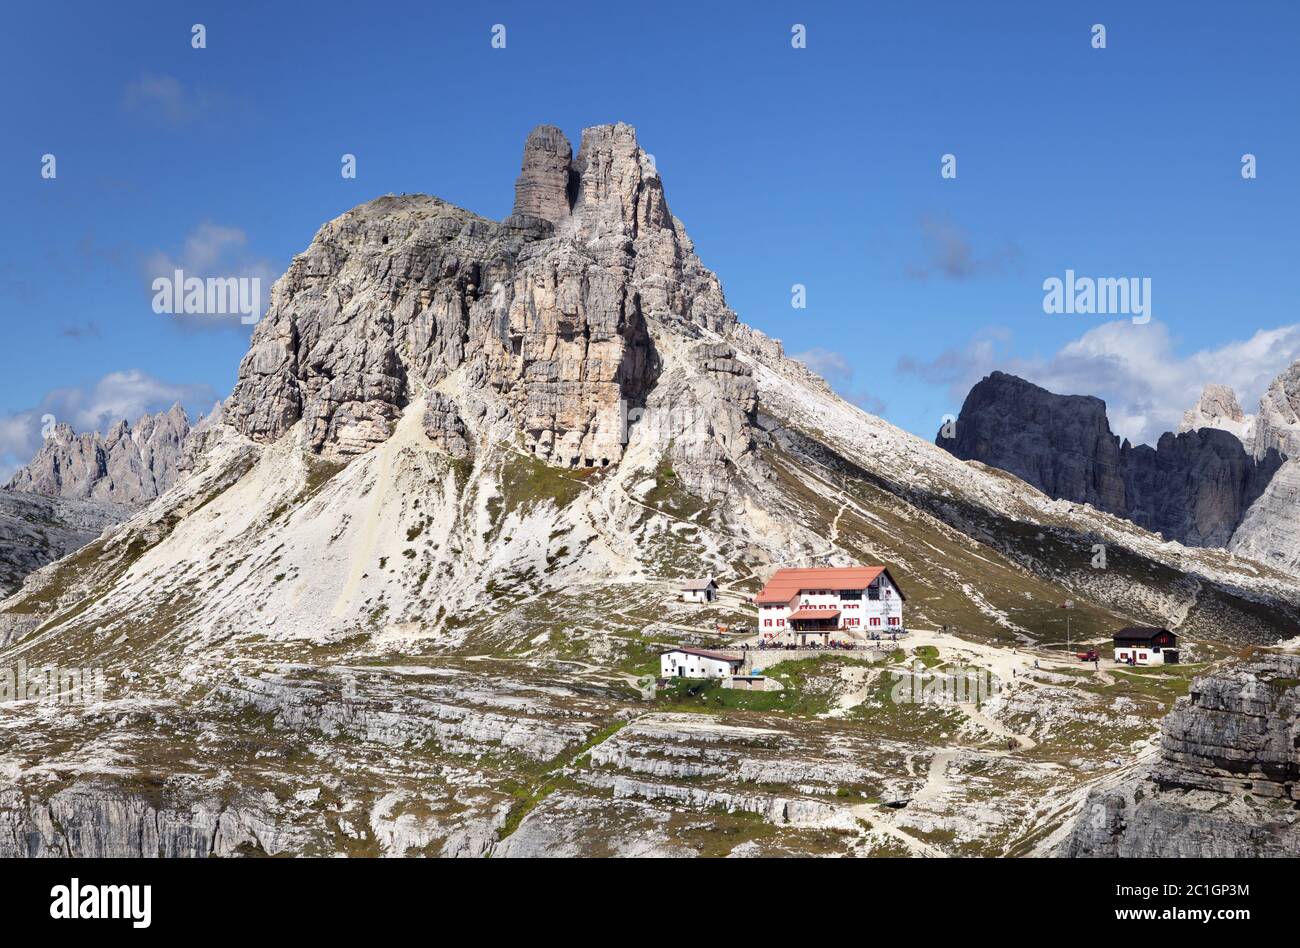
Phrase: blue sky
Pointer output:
(817, 166)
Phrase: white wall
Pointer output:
(1144, 655)
(856, 615)
(696, 666)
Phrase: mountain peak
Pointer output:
(1219, 408)
(543, 320)
(1194, 487)
(133, 463)
(546, 187)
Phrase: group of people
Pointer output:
(846, 644)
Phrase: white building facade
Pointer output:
(697, 663)
(814, 606)
(1146, 646)
(699, 590)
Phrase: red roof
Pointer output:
(814, 614)
(785, 584)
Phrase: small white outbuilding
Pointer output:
(697, 663)
(704, 589)
(1142, 645)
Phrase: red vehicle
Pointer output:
(1090, 656)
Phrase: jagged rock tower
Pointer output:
(544, 320)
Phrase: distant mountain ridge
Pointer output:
(78, 485)
(132, 464)
(1195, 487)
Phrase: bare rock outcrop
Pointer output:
(1227, 783)
(1270, 531)
(1061, 444)
(547, 314)
(132, 464)
(547, 182)
(79, 485)
(1218, 408)
(1195, 487)
(443, 425)
(1277, 426)
(35, 530)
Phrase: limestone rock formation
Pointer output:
(1270, 531)
(35, 530)
(1194, 487)
(1277, 426)
(1061, 444)
(132, 464)
(201, 437)
(1218, 408)
(1227, 783)
(443, 424)
(548, 315)
(547, 182)
(433, 648)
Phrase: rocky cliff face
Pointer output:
(132, 464)
(542, 322)
(1270, 531)
(35, 530)
(1227, 782)
(79, 485)
(1218, 408)
(1194, 487)
(1061, 444)
(1277, 425)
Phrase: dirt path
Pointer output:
(1023, 741)
(882, 821)
(835, 523)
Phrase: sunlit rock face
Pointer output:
(1227, 782)
(1218, 408)
(132, 464)
(546, 316)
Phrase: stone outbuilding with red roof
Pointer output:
(814, 606)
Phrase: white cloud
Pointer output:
(832, 366)
(165, 99)
(1145, 383)
(118, 395)
(212, 250)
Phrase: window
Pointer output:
(875, 620)
(893, 620)
(767, 622)
(780, 623)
